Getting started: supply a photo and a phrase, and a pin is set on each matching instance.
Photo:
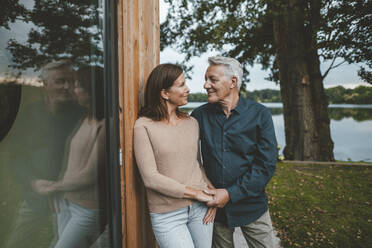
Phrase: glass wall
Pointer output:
(56, 145)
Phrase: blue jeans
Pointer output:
(183, 227)
(78, 227)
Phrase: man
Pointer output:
(239, 152)
(38, 140)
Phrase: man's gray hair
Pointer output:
(54, 65)
(232, 67)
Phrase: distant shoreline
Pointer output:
(280, 105)
(335, 95)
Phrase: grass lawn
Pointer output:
(321, 205)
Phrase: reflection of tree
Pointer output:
(356, 114)
(339, 113)
(10, 11)
(64, 29)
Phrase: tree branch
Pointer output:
(332, 66)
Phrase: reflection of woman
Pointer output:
(80, 212)
(166, 148)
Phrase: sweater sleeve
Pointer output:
(146, 163)
(88, 176)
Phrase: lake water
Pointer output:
(351, 129)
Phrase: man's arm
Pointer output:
(253, 182)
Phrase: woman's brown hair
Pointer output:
(161, 78)
(91, 80)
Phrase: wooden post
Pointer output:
(138, 48)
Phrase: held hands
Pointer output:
(214, 198)
(43, 187)
(202, 196)
(197, 194)
(220, 197)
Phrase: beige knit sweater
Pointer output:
(87, 150)
(167, 160)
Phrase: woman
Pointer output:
(80, 205)
(166, 150)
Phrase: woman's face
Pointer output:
(82, 95)
(177, 94)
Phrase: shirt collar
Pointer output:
(238, 108)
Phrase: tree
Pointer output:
(289, 37)
(61, 29)
(11, 10)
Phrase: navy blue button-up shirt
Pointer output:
(239, 154)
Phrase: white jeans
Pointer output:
(77, 226)
(183, 227)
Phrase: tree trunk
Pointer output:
(306, 118)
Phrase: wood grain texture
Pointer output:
(138, 48)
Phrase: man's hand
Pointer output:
(220, 197)
(43, 187)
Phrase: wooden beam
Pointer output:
(138, 48)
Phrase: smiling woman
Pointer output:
(166, 146)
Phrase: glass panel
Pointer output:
(53, 168)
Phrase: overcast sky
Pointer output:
(345, 75)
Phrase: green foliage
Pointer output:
(265, 95)
(10, 11)
(339, 94)
(321, 206)
(359, 95)
(63, 29)
(244, 30)
(198, 97)
(345, 32)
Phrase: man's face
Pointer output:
(217, 84)
(59, 85)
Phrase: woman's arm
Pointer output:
(84, 178)
(150, 175)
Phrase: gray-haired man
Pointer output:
(239, 152)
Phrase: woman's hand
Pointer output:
(197, 194)
(210, 215)
(43, 187)
(202, 196)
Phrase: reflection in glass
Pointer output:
(357, 114)
(53, 167)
